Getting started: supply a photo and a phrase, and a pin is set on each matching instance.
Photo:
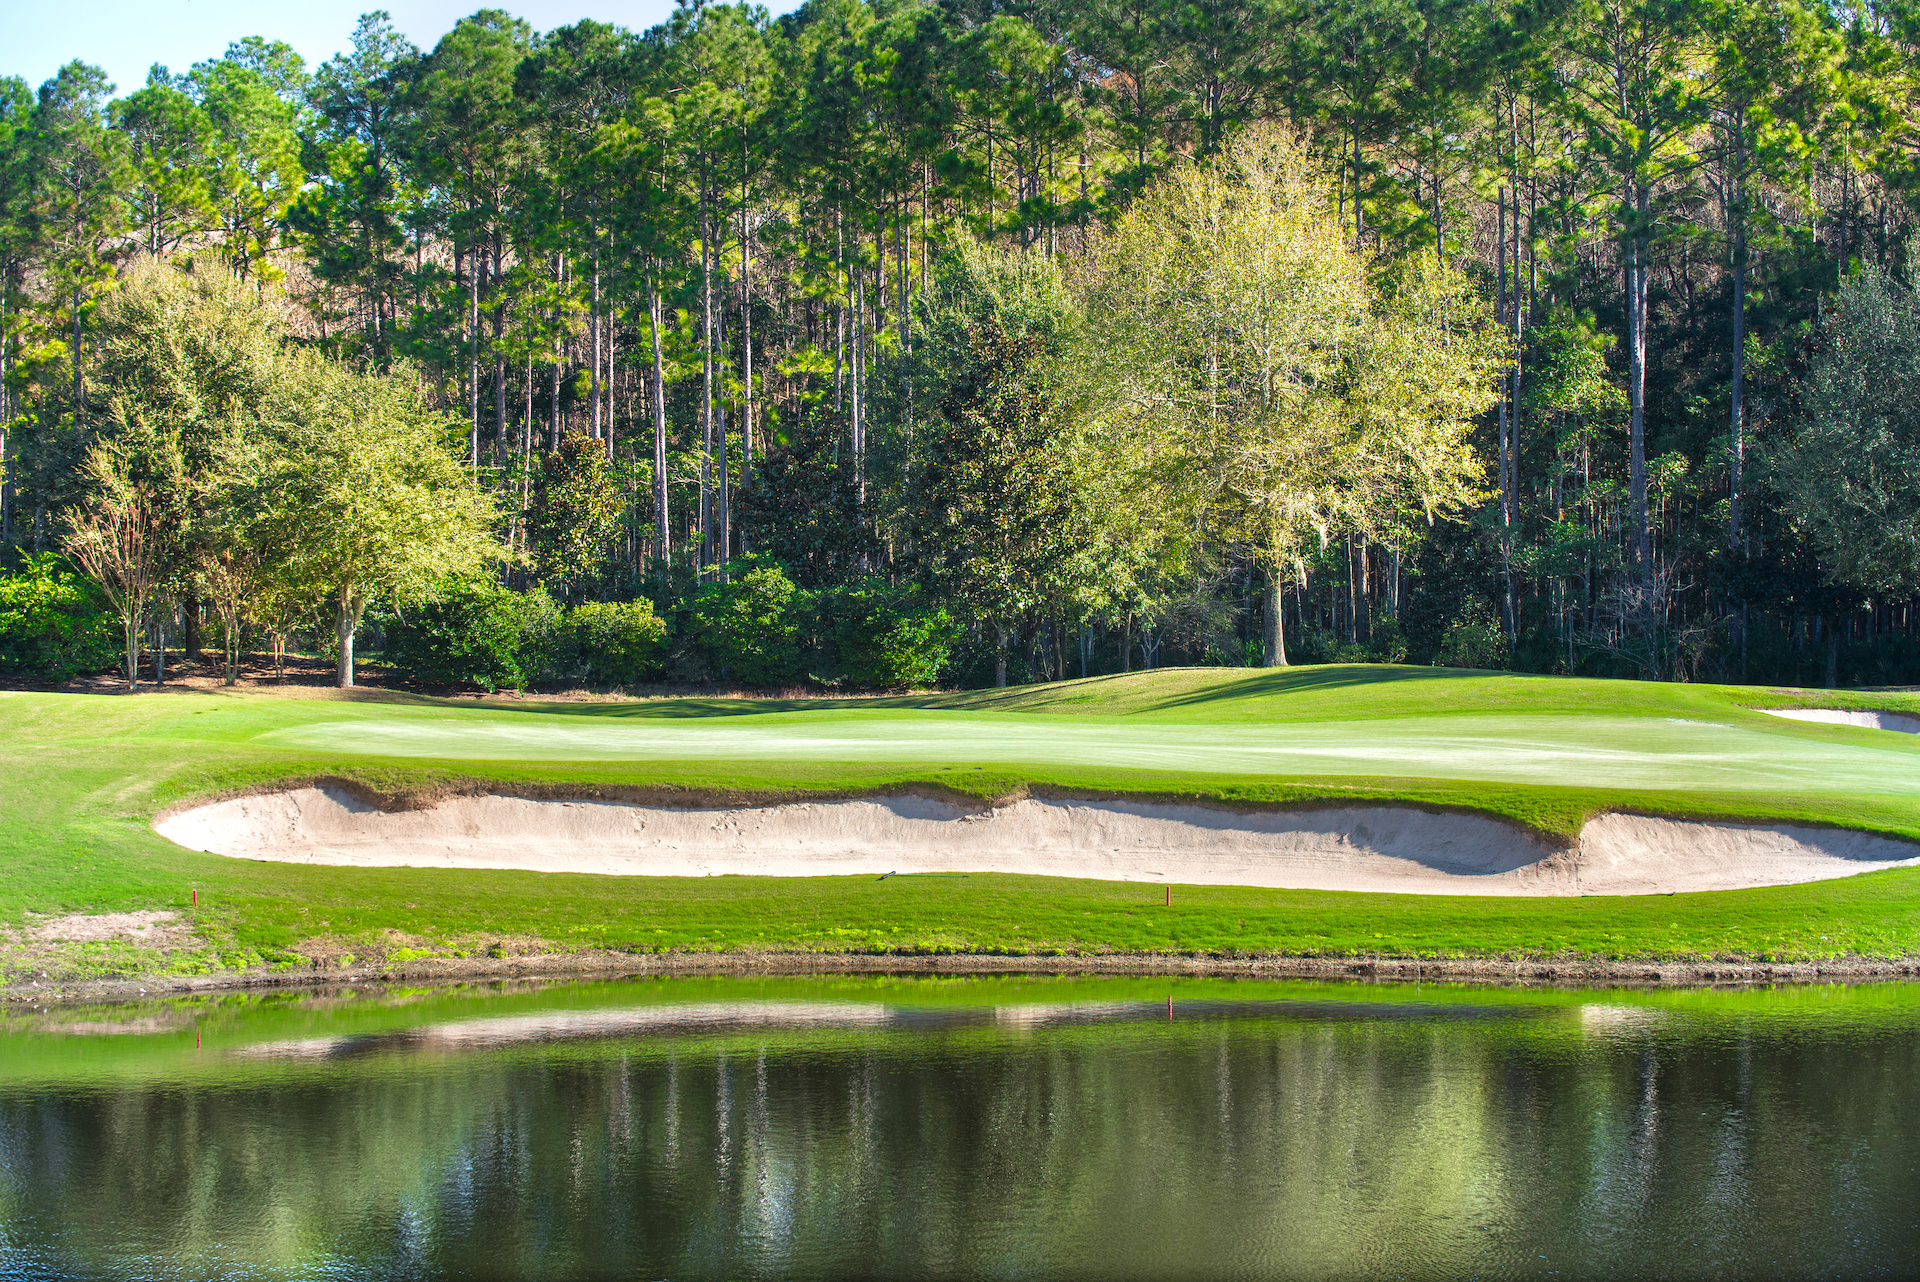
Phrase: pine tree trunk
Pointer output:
(559, 358)
(1637, 398)
(1737, 394)
(473, 362)
(593, 327)
(706, 386)
(661, 534)
(723, 489)
(79, 385)
(746, 353)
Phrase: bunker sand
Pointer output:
(1395, 849)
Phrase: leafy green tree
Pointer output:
(805, 508)
(1774, 80)
(472, 631)
(1847, 474)
(352, 215)
(185, 363)
(996, 508)
(169, 138)
(53, 624)
(748, 626)
(17, 242)
(618, 643)
(250, 99)
(1233, 323)
(883, 636)
(473, 139)
(81, 175)
(383, 508)
(576, 509)
(1639, 89)
(121, 539)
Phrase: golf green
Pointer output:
(1594, 751)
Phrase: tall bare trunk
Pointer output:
(559, 358)
(593, 327)
(839, 313)
(706, 385)
(473, 360)
(1637, 392)
(661, 534)
(723, 490)
(1507, 620)
(79, 384)
(746, 352)
(1737, 397)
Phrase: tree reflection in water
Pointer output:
(1290, 1132)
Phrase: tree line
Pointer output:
(1497, 334)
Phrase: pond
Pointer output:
(1030, 1127)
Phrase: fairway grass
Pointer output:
(82, 777)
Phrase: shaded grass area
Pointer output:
(81, 778)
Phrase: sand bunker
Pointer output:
(1848, 717)
(1374, 848)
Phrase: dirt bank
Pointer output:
(559, 967)
(1365, 848)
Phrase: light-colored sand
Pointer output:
(1373, 848)
(1849, 717)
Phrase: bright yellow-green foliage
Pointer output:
(81, 777)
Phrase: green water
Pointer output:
(807, 1128)
(1623, 752)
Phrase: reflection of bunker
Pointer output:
(1376, 848)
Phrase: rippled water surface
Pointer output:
(1020, 1128)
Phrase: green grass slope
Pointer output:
(81, 778)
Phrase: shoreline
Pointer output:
(616, 965)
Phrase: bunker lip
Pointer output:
(1866, 718)
(1375, 848)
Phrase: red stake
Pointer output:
(1169, 896)
(1169, 1008)
(196, 899)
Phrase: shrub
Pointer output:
(616, 642)
(1472, 644)
(53, 623)
(475, 632)
(748, 629)
(883, 637)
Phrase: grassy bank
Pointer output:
(81, 777)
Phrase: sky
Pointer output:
(38, 37)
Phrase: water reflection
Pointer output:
(1058, 1128)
